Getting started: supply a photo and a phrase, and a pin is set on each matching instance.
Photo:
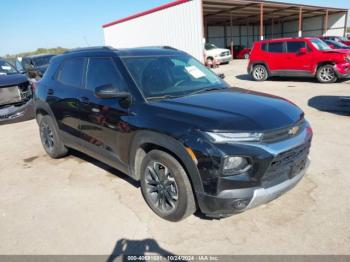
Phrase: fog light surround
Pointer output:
(235, 165)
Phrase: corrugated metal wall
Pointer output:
(178, 26)
(311, 27)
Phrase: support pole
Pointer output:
(325, 25)
(262, 21)
(231, 27)
(346, 22)
(247, 31)
(272, 28)
(300, 30)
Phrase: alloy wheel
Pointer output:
(327, 74)
(161, 187)
(47, 136)
(259, 73)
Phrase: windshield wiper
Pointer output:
(206, 90)
(161, 97)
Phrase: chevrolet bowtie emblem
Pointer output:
(293, 131)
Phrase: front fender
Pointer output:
(170, 144)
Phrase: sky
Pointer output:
(28, 25)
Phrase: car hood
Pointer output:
(232, 110)
(10, 80)
(337, 51)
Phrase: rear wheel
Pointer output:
(260, 73)
(165, 186)
(326, 74)
(50, 139)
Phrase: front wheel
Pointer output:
(326, 74)
(165, 186)
(260, 73)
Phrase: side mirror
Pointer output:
(303, 50)
(332, 46)
(109, 91)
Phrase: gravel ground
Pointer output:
(79, 206)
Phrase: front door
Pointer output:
(298, 63)
(277, 57)
(103, 121)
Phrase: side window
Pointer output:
(276, 47)
(264, 47)
(71, 72)
(294, 47)
(102, 71)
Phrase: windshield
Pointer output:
(171, 76)
(337, 44)
(320, 45)
(42, 61)
(7, 69)
(210, 46)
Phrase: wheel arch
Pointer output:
(255, 63)
(42, 109)
(146, 141)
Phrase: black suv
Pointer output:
(164, 119)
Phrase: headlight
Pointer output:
(235, 165)
(234, 137)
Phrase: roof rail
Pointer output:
(89, 49)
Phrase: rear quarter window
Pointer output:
(276, 47)
(71, 72)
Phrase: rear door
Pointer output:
(64, 96)
(102, 120)
(277, 56)
(297, 63)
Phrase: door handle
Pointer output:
(50, 91)
(84, 100)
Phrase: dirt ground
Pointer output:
(76, 205)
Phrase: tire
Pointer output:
(50, 138)
(246, 56)
(210, 62)
(326, 74)
(166, 187)
(260, 73)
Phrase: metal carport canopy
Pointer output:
(238, 12)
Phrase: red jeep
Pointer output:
(299, 57)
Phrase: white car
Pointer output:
(220, 55)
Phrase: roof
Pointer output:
(39, 55)
(140, 51)
(243, 11)
(148, 51)
(220, 11)
(150, 11)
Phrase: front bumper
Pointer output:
(16, 113)
(278, 167)
(223, 59)
(343, 70)
(239, 200)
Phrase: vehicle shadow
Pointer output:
(125, 247)
(248, 77)
(339, 105)
(83, 157)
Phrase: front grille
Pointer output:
(286, 165)
(226, 53)
(284, 133)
